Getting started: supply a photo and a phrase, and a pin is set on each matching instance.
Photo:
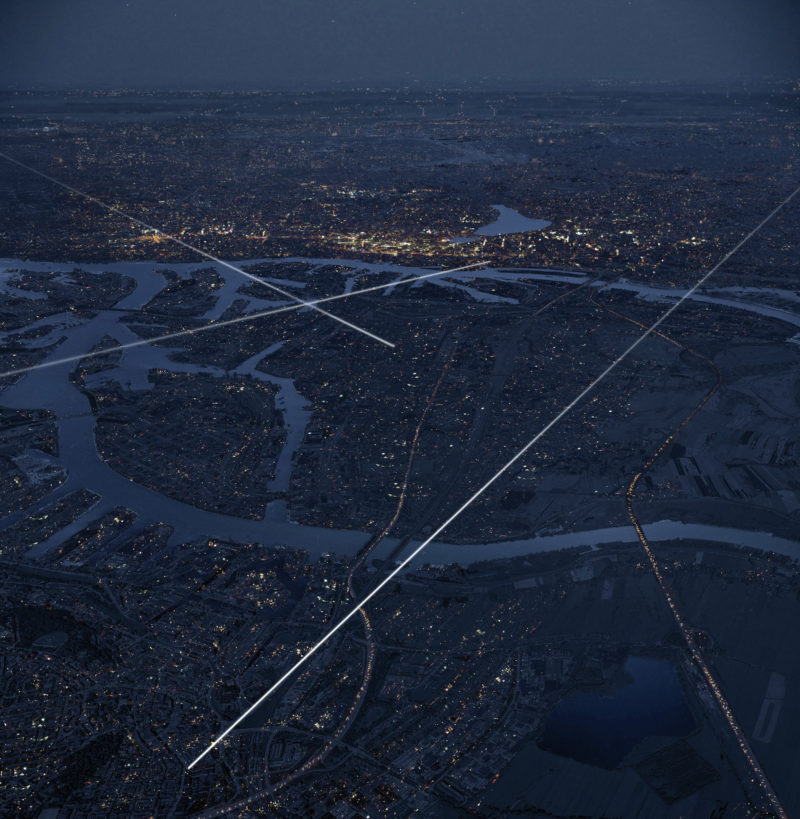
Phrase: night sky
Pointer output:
(270, 44)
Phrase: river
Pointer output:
(662, 530)
(51, 388)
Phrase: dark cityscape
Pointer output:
(399, 409)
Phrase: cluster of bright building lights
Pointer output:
(299, 303)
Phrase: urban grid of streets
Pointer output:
(465, 321)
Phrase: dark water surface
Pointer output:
(602, 730)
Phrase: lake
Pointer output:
(508, 221)
(602, 730)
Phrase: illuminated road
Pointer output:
(759, 774)
(371, 643)
(685, 630)
(479, 424)
(478, 427)
(458, 466)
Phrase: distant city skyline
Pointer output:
(262, 44)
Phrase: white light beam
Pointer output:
(400, 566)
(227, 322)
(211, 256)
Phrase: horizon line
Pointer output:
(400, 83)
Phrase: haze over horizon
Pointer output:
(262, 44)
(398, 408)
